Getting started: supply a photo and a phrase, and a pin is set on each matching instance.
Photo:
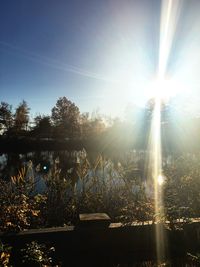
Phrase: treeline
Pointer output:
(180, 131)
(65, 122)
(65, 127)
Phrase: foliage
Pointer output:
(67, 123)
(65, 116)
(5, 253)
(98, 185)
(6, 116)
(194, 259)
(19, 209)
(58, 196)
(88, 187)
(181, 189)
(108, 189)
(91, 127)
(35, 254)
(43, 127)
(22, 116)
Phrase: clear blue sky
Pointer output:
(97, 53)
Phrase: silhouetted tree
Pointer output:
(65, 117)
(43, 127)
(6, 116)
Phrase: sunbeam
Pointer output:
(161, 90)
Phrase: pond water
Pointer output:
(105, 168)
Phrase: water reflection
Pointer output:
(81, 168)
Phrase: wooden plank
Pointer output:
(94, 220)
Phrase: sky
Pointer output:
(101, 55)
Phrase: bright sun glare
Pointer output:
(163, 89)
(160, 179)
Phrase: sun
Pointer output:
(163, 89)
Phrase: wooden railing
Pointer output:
(115, 243)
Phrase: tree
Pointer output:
(22, 116)
(97, 126)
(65, 117)
(91, 126)
(6, 116)
(85, 125)
(43, 127)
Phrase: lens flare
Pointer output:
(156, 175)
(164, 89)
(170, 13)
(161, 90)
(160, 180)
